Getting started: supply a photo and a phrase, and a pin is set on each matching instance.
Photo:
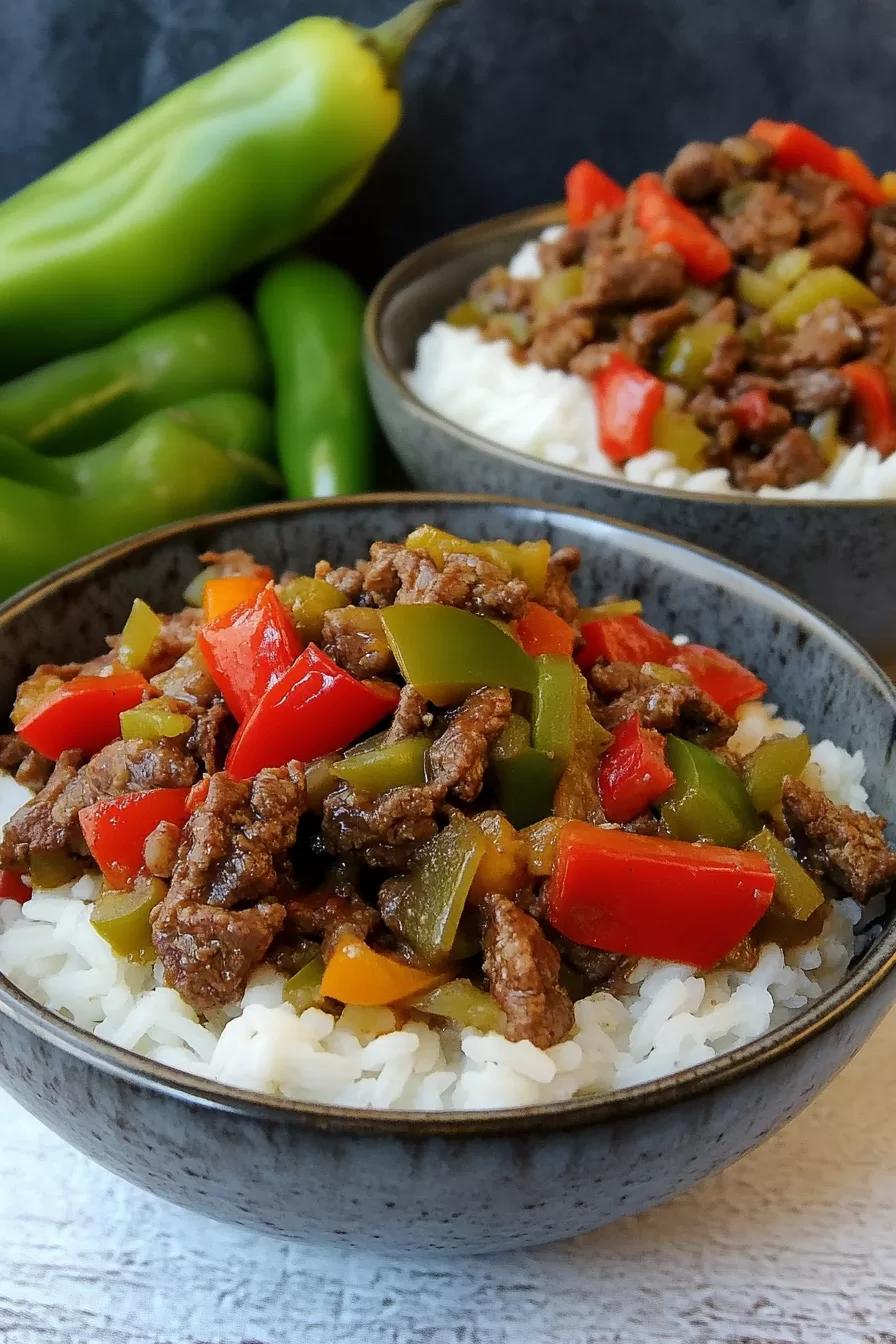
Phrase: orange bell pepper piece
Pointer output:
(542, 631)
(221, 595)
(356, 974)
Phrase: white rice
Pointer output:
(673, 1018)
(548, 414)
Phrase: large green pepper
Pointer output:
(433, 898)
(312, 316)
(554, 706)
(708, 800)
(86, 399)
(766, 768)
(444, 652)
(189, 460)
(223, 172)
(795, 891)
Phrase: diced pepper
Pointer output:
(541, 844)
(154, 720)
(438, 884)
(816, 286)
(12, 888)
(627, 399)
(660, 672)
(84, 713)
(633, 771)
(308, 600)
(860, 178)
(824, 431)
(303, 990)
(515, 737)
(248, 649)
(52, 868)
(678, 433)
(116, 829)
(542, 631)
(755, 288)
(576, 793)
(195, 589)
(320, 781)
(466, 314)
(556, 287)
(708, 801)
(502, 867)
(787, 267)
(766, 768)
(445, 652)
(122, 919)
(664, 219)
(554, 706)
(462, 1002)
(608, 611)
(356, 974)
(751, 410)
(795, 891)
(527, 560)
(625, 639)
(385, 767)
(871, 392)
(688, 352)
(138, 636)
(796, 147)
(590, 192)
(233, 590)
(651, 897)
(723, 678)
(888, 185)
(525, 785)
(776, 926)
(513, 326)
(313, 709)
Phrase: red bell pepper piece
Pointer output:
(627, 399)
(624, 639)
(589, 192)
(12, 888)
(723, 678)
(315, 708)
(542, 631)
(646, 896)
(116, 829)
(633, 772)
(751, 410)
(663, 219)
(248, 649)
(83, 714)
(197, 795)
(871, 392)
(796, 147)
(857, 175)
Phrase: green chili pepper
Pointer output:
(707, 800)
(312, 316)
(154, 721)
(85, 399)
(122, 919)
(765, 769)
(138, 636)
(225, 171)
(308, 599)
(386, 767)
(525, 785)
(554, 707)
(795, 890)
(179, 463)
(302, 990)
(687, 353)
(444, 652)
(828, 282)
(433, 898)
(463, 1003)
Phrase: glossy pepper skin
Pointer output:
(227, 170)
(116, 829)
(312, 316)
(82, 714)
(707, 801)
(248, 649)
(627, 399)
(86, 399)
(444, 652)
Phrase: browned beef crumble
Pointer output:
(558, 595)
(395, 574)
(667, 707)
(522, 969)
(793, 460)
(699, 170)
(188, 680)
(29, 768)
(234, 563)
(837, 843)
(357, 643)
(385, 831)
(324, 915)
(458, 759)
(412, 717)
(212, 734)
(346, 579)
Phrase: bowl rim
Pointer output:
(672, 1089)
(451, 245)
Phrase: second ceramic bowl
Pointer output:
(837, 555)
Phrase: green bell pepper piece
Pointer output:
(828, 282)
(445, 652)
(514, 738)
(302, 990)
(122, 919)
(576, 793)
(525, 786)
(226, 170)
(554, 707)
(386, 767)
(85, 399)
(555, 287)
(433, 898)
(678, 433)
(52, 868)
(312, 316)
(153, 721)
(765, 769)
(795, 891)
(687, 353)
(462, 1002)
(707, 801)
(138, 636)
(308, 600)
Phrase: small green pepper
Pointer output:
(525, 785)
(445, 652)
(138, 636)
(795, 890)
(828, 282)
(387, 767)
(308, 600)
(687, 353)
(435, 894)
(154, 721)
(707, 800)
(463, 1003)
(824, 430)
(678, 433)
(302, 990)
(122, 919)
(765, 769)
(554, 707)
(320, 781)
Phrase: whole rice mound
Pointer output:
(673, 1018)
(551, 415)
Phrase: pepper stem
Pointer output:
(392, 40)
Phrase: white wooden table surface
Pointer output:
(796, 1244)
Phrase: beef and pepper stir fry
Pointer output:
(738, 312)
(430, 779)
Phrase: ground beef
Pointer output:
(472, 582)
(235, 563)
(413, 716)
(835, 220)
(209, 952)
(767, 223)
(44, 680)
(35, 827)
(522, 969)
(354, 638)
(881, 270)
(594, 965)
(557, 341)
(813, 390)
(793, 460)
(729, 352)
(648, 330)
(592, 358)
(457, 759)
(837, 843)
(879, 332)
(347, 579)
(699, 170)
(189, 680)
(567, 250)
(29, 768)
(709, 409)
(828, 336)
(385, 831)
(558, 595)
(626, 277)
(324, 915)
(160, 849)
(177, 635)
(669, 707)
(213, 731)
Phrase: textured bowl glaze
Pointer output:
(838, 556)
(450, 1182)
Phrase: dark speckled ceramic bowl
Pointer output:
(838, 556)
(450, 1182)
